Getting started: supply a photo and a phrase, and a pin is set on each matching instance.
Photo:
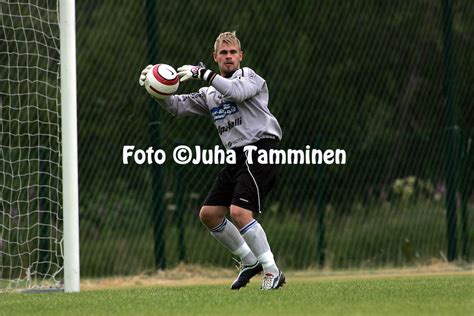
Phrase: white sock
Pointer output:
(228, 235)
(256, 239)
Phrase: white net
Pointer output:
(30, 169)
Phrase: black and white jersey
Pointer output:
(237, 105)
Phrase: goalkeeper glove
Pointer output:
(141, 80)
(196, 72)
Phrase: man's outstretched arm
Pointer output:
(237, 89)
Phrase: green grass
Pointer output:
(420, 295)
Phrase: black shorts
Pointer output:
(243, 184)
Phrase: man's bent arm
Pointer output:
(241, 88)
(186, 104)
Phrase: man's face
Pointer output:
(228, 57)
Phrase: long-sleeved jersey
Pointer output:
(237, 105)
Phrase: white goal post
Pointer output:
(67, 26)
(39, 199)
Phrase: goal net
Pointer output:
(31, 199)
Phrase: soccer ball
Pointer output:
(161, 81)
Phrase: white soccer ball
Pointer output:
(161, 81)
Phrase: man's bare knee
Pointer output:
(211, 216)
(241, 216)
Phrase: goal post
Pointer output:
(39, 200)
(67, 28)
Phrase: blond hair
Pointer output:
(228, 38)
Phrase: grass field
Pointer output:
(359, 295)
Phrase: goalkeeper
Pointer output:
(237, 101)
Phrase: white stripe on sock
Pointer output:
(242, 251)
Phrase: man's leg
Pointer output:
(255, 237)
(213, 217)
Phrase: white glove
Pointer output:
(187, 72)
(195, 72)
(141, 80)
